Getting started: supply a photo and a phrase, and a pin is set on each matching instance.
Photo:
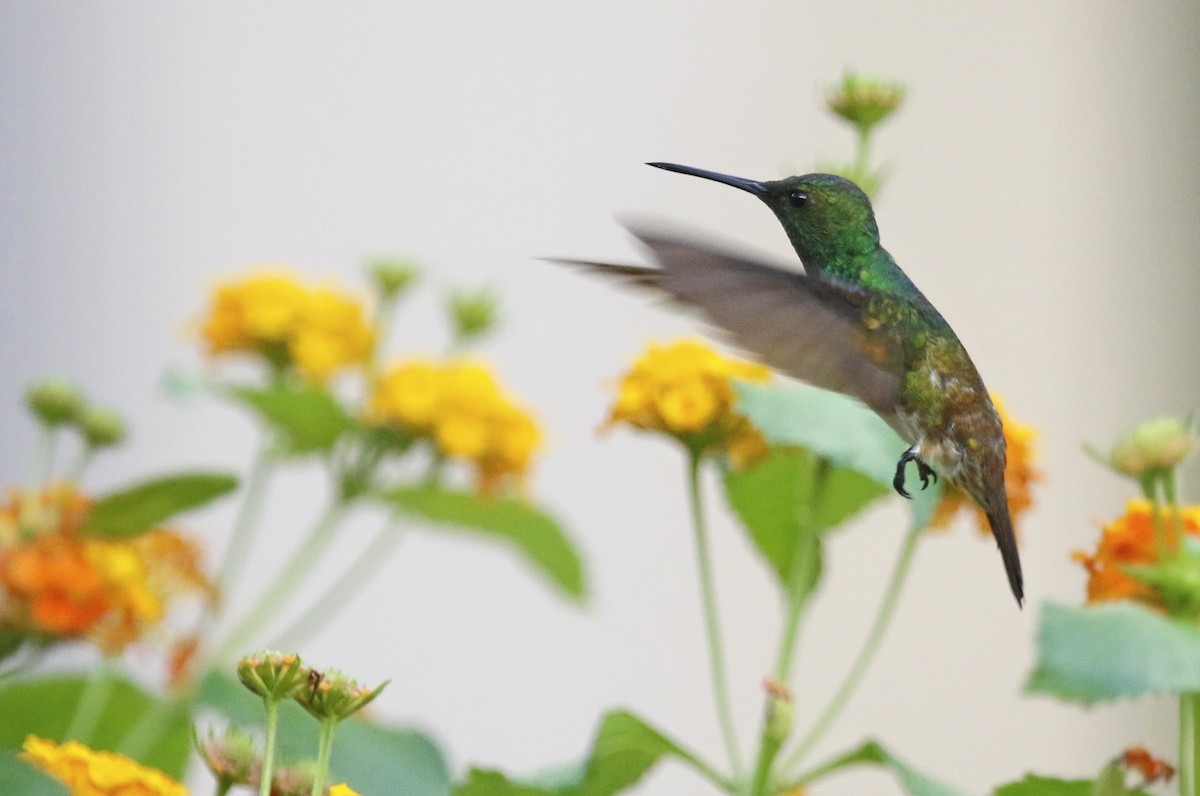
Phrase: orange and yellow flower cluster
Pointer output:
(58, 582)
(318, 330)
(460, 406)
(1129, 540)
(685, 390)
(1020, 474)
(89, 773)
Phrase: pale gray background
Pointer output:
(1044, 196)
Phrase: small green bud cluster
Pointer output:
(232, 757)
(1155, 446)
(57, 402)
(392, 276)
(274, 676)
(864, 101)
(331, 696)
(474, 313)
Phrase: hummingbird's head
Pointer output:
(827, 218)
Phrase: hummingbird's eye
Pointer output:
(797, 198)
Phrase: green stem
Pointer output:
(282, 588)
(325, 749)
(246, 524)
(74, 473)
(1170, 492)
(862, 150)
(800, 576)
(711, 622)
(801, 572)
(1189, 744)
(343, 590)
(1149, 484)
(39, 477)
(223, 788)
(92, 700)
(268, 766)
(883, 619)
(44, 461)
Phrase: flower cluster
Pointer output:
(318, 330)
(1128, 541)
(462, 409)
(89, 773)
(685, 390)
(61, 583)
(1020, 474)
(864, 101)
(1152, 769)
(277, 677)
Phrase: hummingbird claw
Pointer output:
(926, 472)
(898, 480)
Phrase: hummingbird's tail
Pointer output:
(1006, 540)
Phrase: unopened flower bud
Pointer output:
(864, 101)
(332, 696)
(102, 428)
(473, 313)
(54, 401)
(392, 276)
(1159, 444)
(780, 711)
(295, 779)
(232, 758)
(273, 675)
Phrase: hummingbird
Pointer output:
(853, 323)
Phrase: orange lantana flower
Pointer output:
(56, 581)
(1129, 540)
(1020, 474)
(1152, 769)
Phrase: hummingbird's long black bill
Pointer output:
(751, 186)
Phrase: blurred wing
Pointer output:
(821, 332)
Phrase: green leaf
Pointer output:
(135, 509)
(308, 419)
(534, 534)
(773, 498)
(44, 707)
(370, 757)
(1033, 785)
(625, 748)
(17, 776)
(836, 427)
(912, 781)
(1122, 650)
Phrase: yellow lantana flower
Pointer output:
(89, 773)
(341, 790)
(462, 409)
(318, 330)
(685, 390)
(1020, 474)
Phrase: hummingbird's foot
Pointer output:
(926, 472)
(923, 470)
